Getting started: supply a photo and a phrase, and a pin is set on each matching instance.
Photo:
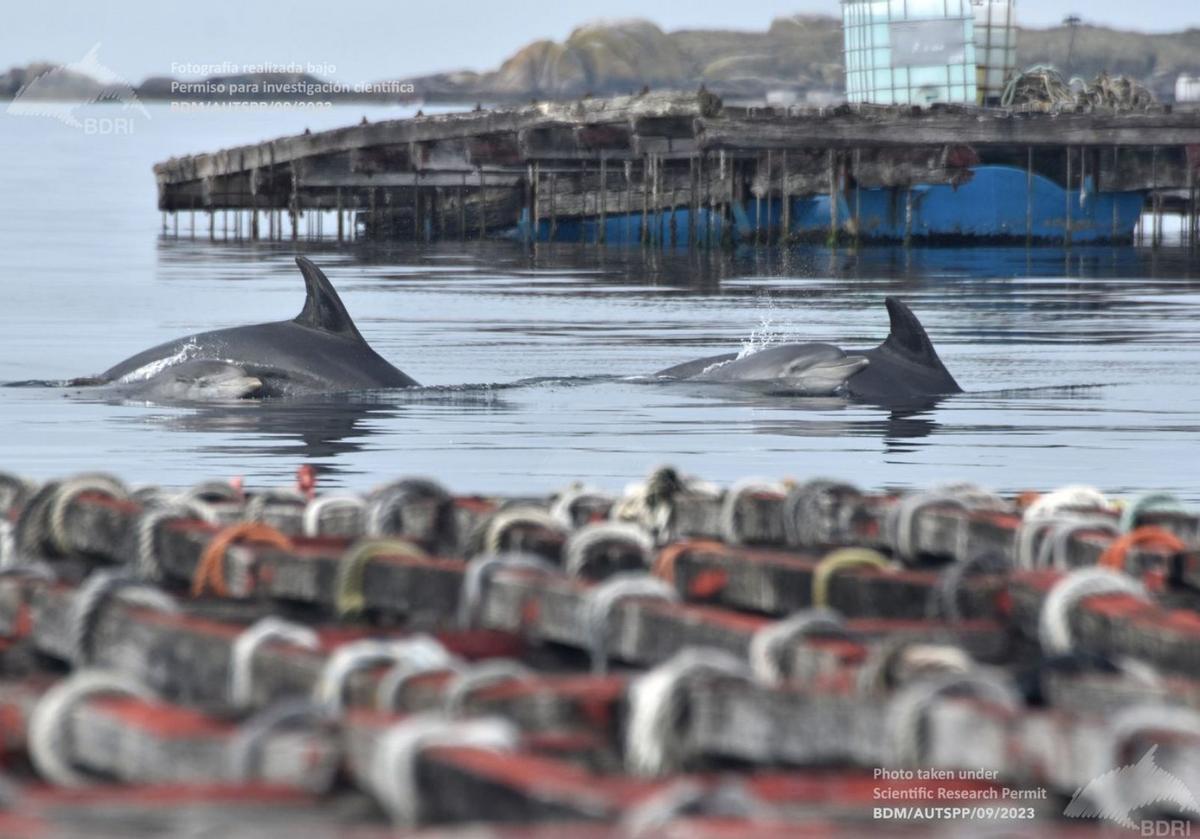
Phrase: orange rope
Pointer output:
(664, 566)
(210, 571)
(1117, 552)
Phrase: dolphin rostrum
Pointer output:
(905, 368)
(320, 351)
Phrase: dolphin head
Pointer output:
(797, 369)
(820, 373)
(203, 381)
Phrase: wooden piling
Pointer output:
(1029, 196)
(645, 232)
(482, 206)
(628, 202)
(833, 199)
(175, 223)
(1191, 206)
(767, 192)
(1068, 220)
(340, 229)
(1155, 229)
(712, 205)
(1115, 216)
(908, 216)
(691, 201)
(462, 208)
(857, 198)
(602, 200)
(758, 202)
(785, 199)
(416, 212)
(553, 206)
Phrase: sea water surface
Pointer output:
(1080, 366)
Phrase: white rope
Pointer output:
(8, 545)
(1074, 498)
(766, 645)
(62, 497)
(348, 659)
(246, 750)
(657, 700)
(14, 491)
(1054, 622)
(902, 516)
(241, 661)
(146, 558)
(1029, 532)
(423, 654)
(581, 543)
(48, 739)
(600, 600)
(1151, 784)
(97, 590)
(393, 773)
(1056, 545)
(386, 500)
(944, 597)
(319, 506)
(900, 660)
(810, 509)
(256, 508)
(729, 799)
(906, 710)
(733, 498)
(1128, 723)
(519, 514)
(563, 508)
(478, 576)
(466, 681)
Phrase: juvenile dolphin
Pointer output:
(802, 369)
(320, 351)
(905, 368)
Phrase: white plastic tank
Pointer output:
(909, 52)
(995, 47)
(1187, 89)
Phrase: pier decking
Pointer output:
(686, 169)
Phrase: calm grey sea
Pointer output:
(1080, 366)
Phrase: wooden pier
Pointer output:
(649, 157)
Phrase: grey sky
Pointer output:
(373, 39)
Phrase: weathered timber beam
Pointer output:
(934, 128)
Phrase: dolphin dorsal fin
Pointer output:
(907, 335)
(323, 309)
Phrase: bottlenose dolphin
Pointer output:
(802, 369)
(905, 368)
(320, 351)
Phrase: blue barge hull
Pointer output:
(995, 204)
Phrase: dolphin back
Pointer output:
(905, 366)
(320, 350)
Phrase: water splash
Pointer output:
(771, 330)
(187, 351)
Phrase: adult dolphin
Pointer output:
(904, 369)
(319, 351)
